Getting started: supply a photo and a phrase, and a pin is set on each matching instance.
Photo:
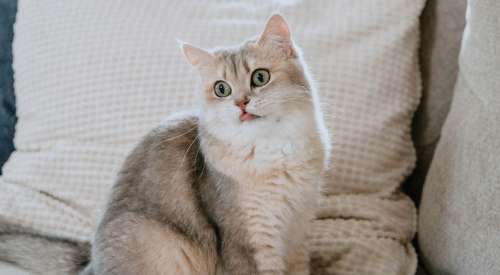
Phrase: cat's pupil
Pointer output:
(260, 76)
(221, 88)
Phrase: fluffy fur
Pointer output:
(208, 193)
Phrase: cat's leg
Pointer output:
(280, 236)
(266, 230)
(253, 247)
(237, 258)
(131, 245)
(298, 260)
(269, 258)
(298, 245)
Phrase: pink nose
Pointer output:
(242, 104)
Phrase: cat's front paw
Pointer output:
(299, 270)
(269, 272)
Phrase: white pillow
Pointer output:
(94, 76)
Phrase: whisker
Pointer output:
(196, 159)
(181, 163)
(183, 134)
(282, 101)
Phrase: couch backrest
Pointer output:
(459, 229)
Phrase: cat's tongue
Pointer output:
(247, 116)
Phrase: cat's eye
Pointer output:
(222, 89)
(260, 77)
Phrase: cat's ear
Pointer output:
(195, 55)
(277, 32)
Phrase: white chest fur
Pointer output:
(284, 147)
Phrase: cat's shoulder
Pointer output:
(169, 139)
(178, 128)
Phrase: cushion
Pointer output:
(459, 230)
(92, 77)
(7, 102)
(442, 25)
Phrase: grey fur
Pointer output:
(166, 182)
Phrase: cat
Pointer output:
(230, 189)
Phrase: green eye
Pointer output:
(260, 77)
(222, 89)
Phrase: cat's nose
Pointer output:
(242, 103)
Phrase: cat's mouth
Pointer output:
(246, 116)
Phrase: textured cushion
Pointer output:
(93, 76)
(7, 105)
(460, 211)
(442, 26)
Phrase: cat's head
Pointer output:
(255, 87)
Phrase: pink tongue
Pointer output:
(246, 116)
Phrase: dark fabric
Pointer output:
(7, 101)
(441, 28)
(421, 271)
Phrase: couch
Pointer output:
(456, 180)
